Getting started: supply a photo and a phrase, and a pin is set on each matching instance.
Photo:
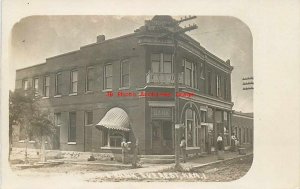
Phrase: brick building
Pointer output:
(242, 126)
(94, 92)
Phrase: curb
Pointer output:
(217, 162)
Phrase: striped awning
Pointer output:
(116, 118)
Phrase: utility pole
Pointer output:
(175, 34)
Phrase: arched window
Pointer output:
(190, 131)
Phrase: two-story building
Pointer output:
(121, 87)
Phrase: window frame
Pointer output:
(105, 87)
(218, 85)
(86, 123)
(70, 132)
(89, 80)
(194, 128)
(209, 81)
(57, 123)
(225, 88)
(72, 81)
(161, 62)
(202, 71)
(36, 88)
(193, 72)
(45, 86)
(58, 84)
(25, 87)
(122, 75)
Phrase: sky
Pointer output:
(35, 38)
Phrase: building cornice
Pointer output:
(211, 101)
(242, 115)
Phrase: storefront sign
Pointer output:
(161, 112)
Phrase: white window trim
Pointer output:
(71, 143)
(110, 148)
(72, 94)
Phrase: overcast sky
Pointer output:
(38, 37)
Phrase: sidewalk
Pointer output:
(194, 162)
(150, 172)
(212, 158)
(151, 169)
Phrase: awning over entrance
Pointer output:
(116, 118)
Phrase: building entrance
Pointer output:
(162, 137)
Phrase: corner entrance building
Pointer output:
(124, 88)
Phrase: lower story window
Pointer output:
(112, 138)
(191, 130)
(72, 127)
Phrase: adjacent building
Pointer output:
(242, 127)
(120, 88)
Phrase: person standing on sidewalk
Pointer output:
(183, 149)
(220, 147)
(220, 142)
(233, 141)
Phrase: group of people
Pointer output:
(220, 144)
(234, 142)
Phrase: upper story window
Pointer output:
(190, 76)
(125, 73)
(209, 82)
(218, 85)
(90, 79)
(108, 78)
(57, 117)
(36, 85)
(25, 84)
(46, 84)
(225, 89)
(201, 70)
(74, 81)
(161, 63)
(58, 83)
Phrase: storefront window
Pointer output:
(190, 127)
(113, 138)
